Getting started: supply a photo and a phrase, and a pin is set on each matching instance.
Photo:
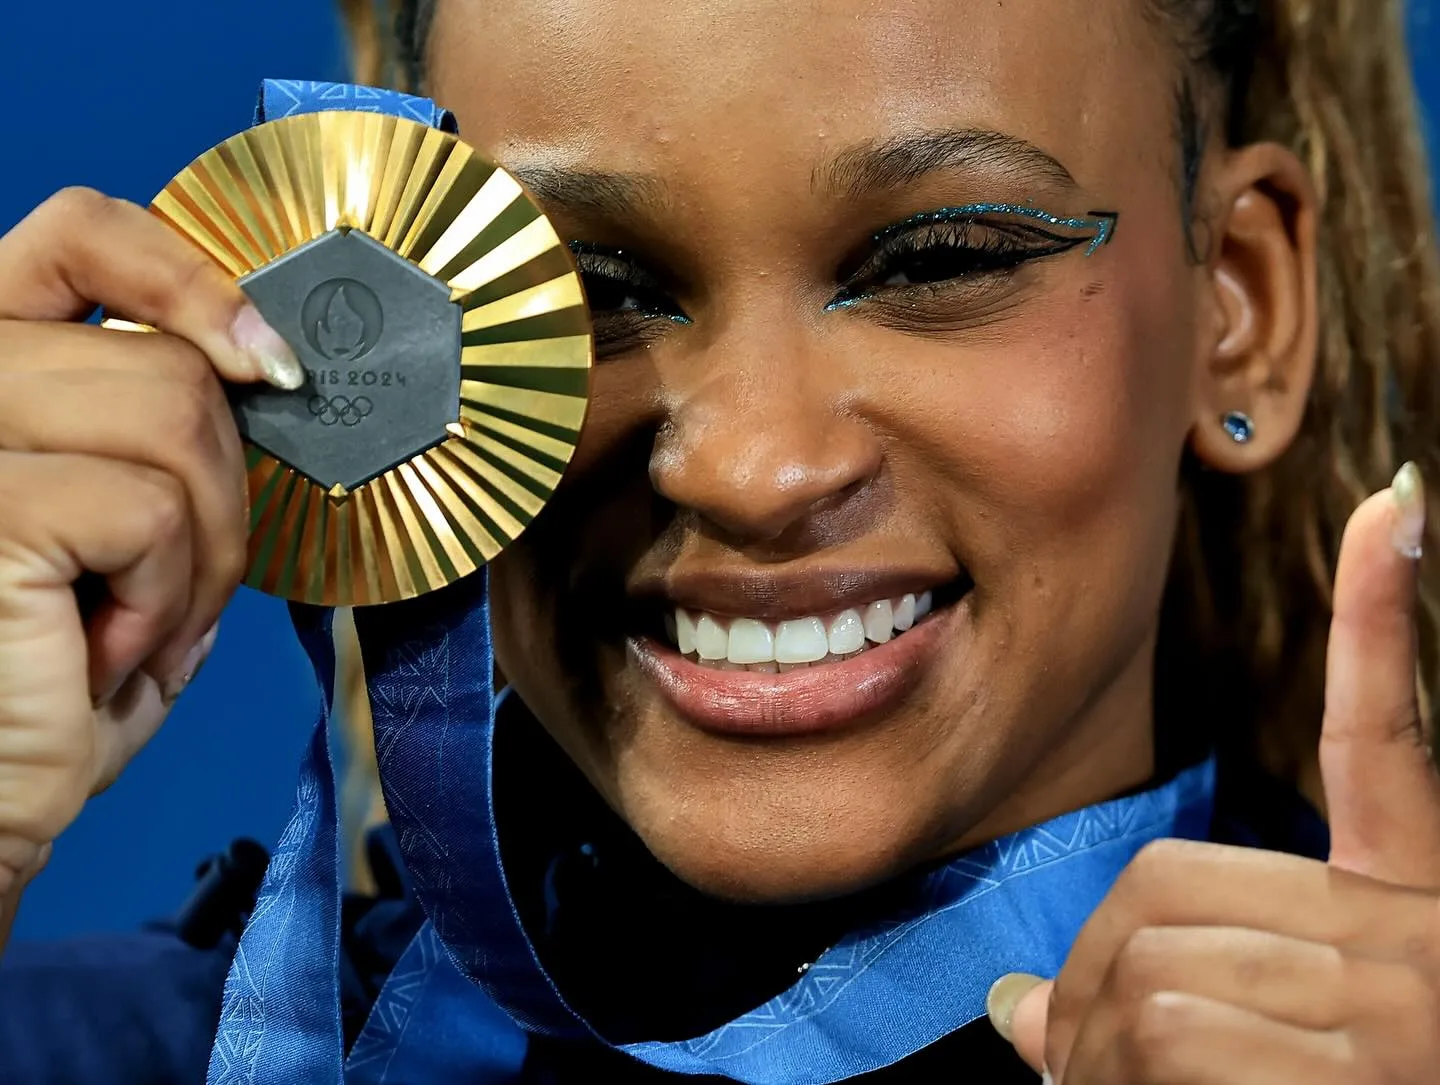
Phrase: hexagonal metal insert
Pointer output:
(380, 341)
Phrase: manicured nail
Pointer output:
(190, 667)
(1005, 994)
(1046, 1079)
(1408, 493)
(270, 354)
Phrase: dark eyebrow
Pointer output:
(617, 195)
(869, 167)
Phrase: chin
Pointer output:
(778, 824)
(768, 864)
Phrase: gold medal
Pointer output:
(446, 337)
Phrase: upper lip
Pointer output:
(775, 595)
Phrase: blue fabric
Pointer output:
(133, 1009)
(280, 1017)
(289, 97)
(1013, 906)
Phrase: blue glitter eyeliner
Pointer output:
(1101, 223)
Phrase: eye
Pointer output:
(943, 249)
(629, 305)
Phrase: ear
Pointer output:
(1261, 279)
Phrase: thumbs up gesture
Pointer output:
(1212, 965)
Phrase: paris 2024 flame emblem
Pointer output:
(342, 320)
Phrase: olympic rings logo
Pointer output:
(341, 409)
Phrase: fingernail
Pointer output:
(269, 353)
(190, 667)
(1046, 1079)
(1408, 493)
(1005, 994)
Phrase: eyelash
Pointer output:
(630, 323)
(982, 250)
(978, 251)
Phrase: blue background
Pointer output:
(120, 96)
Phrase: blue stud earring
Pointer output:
(1239, 426)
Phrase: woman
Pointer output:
(1083, 325)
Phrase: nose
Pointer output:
(760, 446)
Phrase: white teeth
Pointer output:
(847, 633)
(879, 621)
(750, 642)
(684, 631)
(905, 613)
(801, 640)
(711, 639)
(739, 644)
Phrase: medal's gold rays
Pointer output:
(525, 362)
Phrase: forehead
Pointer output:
(713, 86)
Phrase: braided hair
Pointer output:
(1247, 611)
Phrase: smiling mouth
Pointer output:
(800, 674)
(767, 647)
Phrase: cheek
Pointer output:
(1077, 421)
(1058, 443)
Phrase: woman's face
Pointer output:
(811, 401)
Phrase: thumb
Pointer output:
(1382, 792)
(1019, 1006)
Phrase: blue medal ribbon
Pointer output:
(470, 986)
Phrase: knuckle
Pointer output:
(1421, 948)
(187, 369)
(1155, 1027)
(1152, 874)
(1138, 964)
(165, 512)
(174, 278)
(77, 207)
(232, 557)
(193, 274)
(1159, 857)
(1409, 996)
(189, 419)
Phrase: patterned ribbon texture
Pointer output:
(289, 97)
(470, 987)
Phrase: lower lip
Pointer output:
(800, 702)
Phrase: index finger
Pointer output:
(81, 249)
(1382, 791)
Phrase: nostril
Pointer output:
(756, 473)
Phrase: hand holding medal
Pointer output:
(445, 341)
(445, 347)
